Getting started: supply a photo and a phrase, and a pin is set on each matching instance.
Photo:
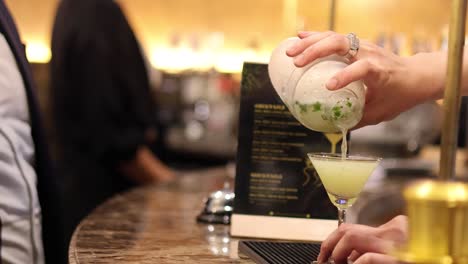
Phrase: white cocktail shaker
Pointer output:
(304, 93)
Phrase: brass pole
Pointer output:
(331, 18)
(452, 90)
(290, 16)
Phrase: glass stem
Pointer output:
(341, 216)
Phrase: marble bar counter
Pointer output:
(156, 224)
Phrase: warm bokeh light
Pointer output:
(424, 190)
(38, 52)
(181, 59)
(229, 62)
(439, 191)
(224, 33)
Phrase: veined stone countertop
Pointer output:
(156, 225)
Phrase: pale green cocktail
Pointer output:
(343, 179)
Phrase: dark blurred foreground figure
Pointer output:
(103, 114)
(29, 209)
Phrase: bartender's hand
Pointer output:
(364, 244)
(395, 84)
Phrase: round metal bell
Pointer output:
(218, 207)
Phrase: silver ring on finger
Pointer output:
(353, 46)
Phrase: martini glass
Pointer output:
(343, 178)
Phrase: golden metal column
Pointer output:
(452, 90)
(332, 15)
(290, 16)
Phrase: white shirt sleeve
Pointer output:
(20, 213)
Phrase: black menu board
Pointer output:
(274, 176)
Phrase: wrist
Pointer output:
(426, 75)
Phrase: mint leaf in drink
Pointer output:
(336, 110)
(302, 107)
(337, 114)
(317, 107)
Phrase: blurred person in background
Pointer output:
(102, 109)
(29, 210)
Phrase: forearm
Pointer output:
(146, 168)
(426, 74)
(430, 73)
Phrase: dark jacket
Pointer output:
(101, 102)
(54, 246)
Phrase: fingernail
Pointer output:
(332, 84)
